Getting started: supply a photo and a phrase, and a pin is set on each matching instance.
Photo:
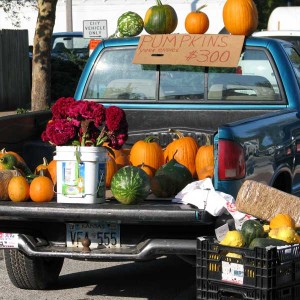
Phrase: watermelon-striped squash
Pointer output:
(160, 19)
(130, 24)
(130, 185)
(252, 229)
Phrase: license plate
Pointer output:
(9, 240)
(101, 234)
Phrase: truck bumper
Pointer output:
(146, 250)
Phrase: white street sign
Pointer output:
(94, 29)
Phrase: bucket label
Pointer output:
(73, 178)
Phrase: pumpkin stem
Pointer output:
(201, 7)
(158, 2)
(207, 138)
(150, 139)
(45, 162)
(177, 132)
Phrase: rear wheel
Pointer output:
(32, 273)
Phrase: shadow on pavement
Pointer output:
(151, 280)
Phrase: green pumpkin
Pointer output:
(179, 175)
(252, 229)
(160, 19)
(130, 185)
(266, 242)
(163, 186)
(130, 24)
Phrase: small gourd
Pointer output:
(18, 189)
(252, 229)
(41, 189)
(130, 24)
(240, 17)
(281, 220)
(233, 238)
(43, 166)
(196, 22)
(284, 233)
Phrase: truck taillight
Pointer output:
(231, 160)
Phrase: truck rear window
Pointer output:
(114, 77)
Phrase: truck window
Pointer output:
(254, 79)
(115, 77)
(295, 59)
(181, 82)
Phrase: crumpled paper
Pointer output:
(202, 194)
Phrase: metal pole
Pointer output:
(69, 15)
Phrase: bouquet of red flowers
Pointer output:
(85, 123)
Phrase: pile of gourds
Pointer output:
(239, 16)
(196, 162)
(280, 231)
(19, 184)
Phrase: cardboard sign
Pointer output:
(218, 50)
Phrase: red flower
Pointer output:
(85, 123)
(115, 118)
(59, 132)
(60, 109)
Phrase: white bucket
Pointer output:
(80, 174)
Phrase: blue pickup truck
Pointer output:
(250, 112)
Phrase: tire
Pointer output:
(31, 273)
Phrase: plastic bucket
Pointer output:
(80, 174)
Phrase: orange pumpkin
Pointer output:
(18, 189)
(148, 155)
(41, 189)
(281, 220)
(184, 150)
(43, 166)
(197, 22)
(111, 169)
(205, 162)
(120, 156)
(240, 17)
(52, 166)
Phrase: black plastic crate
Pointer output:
(258, 274)
(213, 290)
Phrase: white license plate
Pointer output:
(100, 234)
(9, 240)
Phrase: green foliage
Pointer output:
(65, 75)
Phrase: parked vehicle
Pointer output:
(64, 44)
(250, 116)
(292, 36)
(284, 18)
